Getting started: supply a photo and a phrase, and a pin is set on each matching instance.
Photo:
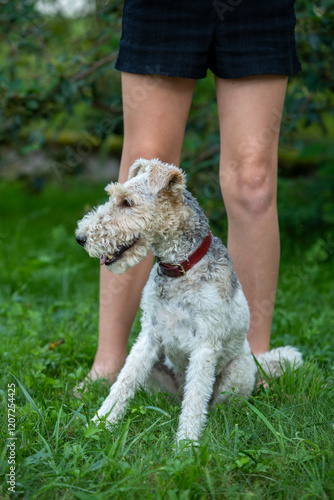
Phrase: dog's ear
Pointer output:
(166, 177)
(138, 166)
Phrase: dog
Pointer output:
(195, 317)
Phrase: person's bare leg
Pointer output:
(250, 115)
(155, 114)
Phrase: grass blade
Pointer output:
(29, 398)
(75, 414)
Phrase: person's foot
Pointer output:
(105, 371)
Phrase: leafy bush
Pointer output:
(57, 78)
(51, 63)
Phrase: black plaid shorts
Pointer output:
(232, 38)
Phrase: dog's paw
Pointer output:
(185, 440)
(185, 444)
(103, 422)
(96, 420)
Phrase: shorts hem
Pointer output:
(157, 69)
(273, 70)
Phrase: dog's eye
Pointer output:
(127, 203)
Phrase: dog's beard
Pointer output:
(126, 257)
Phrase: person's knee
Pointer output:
(250, 187)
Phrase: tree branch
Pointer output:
(97, 65)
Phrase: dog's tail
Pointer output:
(275, 362)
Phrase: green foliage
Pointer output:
(314, 35)
(277, 445)
(58, 85)
(50, 64)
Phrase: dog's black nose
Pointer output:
(81, 240)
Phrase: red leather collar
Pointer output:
(175, 271)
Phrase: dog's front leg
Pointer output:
(200, 378)
(135, 372)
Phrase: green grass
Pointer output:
(279, 444)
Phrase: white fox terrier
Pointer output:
(195, 315)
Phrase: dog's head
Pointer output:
(123, 230)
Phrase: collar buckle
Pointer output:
(177, 270)
(182, 271)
